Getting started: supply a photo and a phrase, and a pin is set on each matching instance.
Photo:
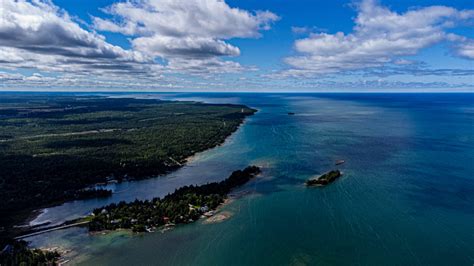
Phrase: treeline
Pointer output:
(184, 205)
(92, 193)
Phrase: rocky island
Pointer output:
(324, 179)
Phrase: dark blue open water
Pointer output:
(406, 197)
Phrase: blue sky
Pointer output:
(237, 45)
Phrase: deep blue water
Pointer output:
(406, 197)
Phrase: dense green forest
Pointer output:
(52, 147)
(185, 205)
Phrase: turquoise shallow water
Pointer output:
(406, 197)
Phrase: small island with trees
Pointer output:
(324, 179)
(185, 205)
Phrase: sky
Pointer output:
(237, 45)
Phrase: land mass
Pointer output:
(324, 179)
(55, 148)
(186, 205)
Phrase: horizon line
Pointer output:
(237, 92)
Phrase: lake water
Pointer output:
(406, 196)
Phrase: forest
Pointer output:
(185, 205)
(55, 148)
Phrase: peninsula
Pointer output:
(185, 205)
(58, 147)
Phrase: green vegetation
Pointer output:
(324, 179)
(185, 205)
(92, 193)
(18, 253)
(52, 148)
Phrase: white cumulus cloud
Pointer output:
(465, 47)
(380, 37)
(38, 34)
(174, 30)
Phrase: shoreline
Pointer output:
(219, 216)
(34, 214)
(170, 226)
(186, 204)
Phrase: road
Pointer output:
(52, 229)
